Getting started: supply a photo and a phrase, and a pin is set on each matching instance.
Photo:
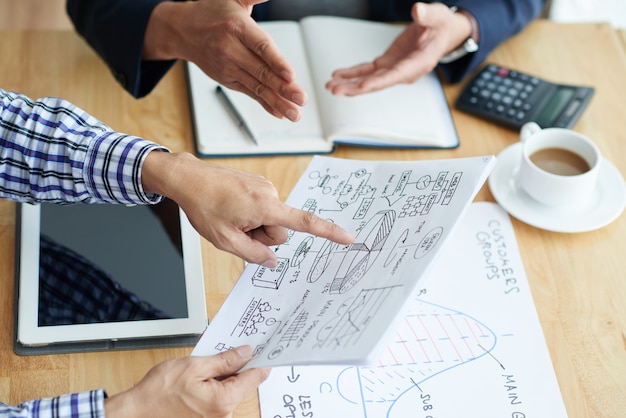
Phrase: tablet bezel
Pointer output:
(101, 336)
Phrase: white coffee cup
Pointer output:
(559, 166)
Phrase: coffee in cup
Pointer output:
(560, 161)
(559, 166)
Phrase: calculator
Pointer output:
(512, 98)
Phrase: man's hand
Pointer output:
(221, 38)
(435, 31)
(190, 387)
(237, 211)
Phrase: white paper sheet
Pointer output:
(470, 345)
(331, 304)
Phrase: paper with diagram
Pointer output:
(470, 345)
(331, 304)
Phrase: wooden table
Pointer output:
(578, 280)
(621, 33)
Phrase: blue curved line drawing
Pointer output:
(441, 351)
(339, 376)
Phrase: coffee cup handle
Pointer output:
(528, 130)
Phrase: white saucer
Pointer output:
(604, 207)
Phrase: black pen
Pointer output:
(234, 113)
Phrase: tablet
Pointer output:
(105, 277)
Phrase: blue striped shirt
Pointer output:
(52, 151)
(84, 404)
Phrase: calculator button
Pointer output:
(491, 68)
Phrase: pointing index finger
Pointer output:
(303, 221)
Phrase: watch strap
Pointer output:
(470, 45)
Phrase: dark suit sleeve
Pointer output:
(115, 30)
(497, 20)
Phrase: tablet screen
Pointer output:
(102, 264)
(92, 272)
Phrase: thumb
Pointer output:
(251, 250)
(250, 3)
(226, 363)
(418, 12)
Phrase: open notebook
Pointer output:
(408, 115)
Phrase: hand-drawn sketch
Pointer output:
(301, 252)
(271, 278)
(440, 361)
(258, 313)
(352, 317)
(431, 340)
(322, 181)
(335, 300)
(358, 256)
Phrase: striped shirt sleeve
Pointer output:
(76, 405)
(52, 151)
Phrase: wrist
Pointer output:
(475, 33)
(159, 172)
(162, 37)
(119, 406)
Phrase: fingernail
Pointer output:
(244, 351)
(287, 75)
(270, 264)
(266, 373)
(292, 115)
(298, 99)
(421, 12)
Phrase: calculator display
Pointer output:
(554, 107)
